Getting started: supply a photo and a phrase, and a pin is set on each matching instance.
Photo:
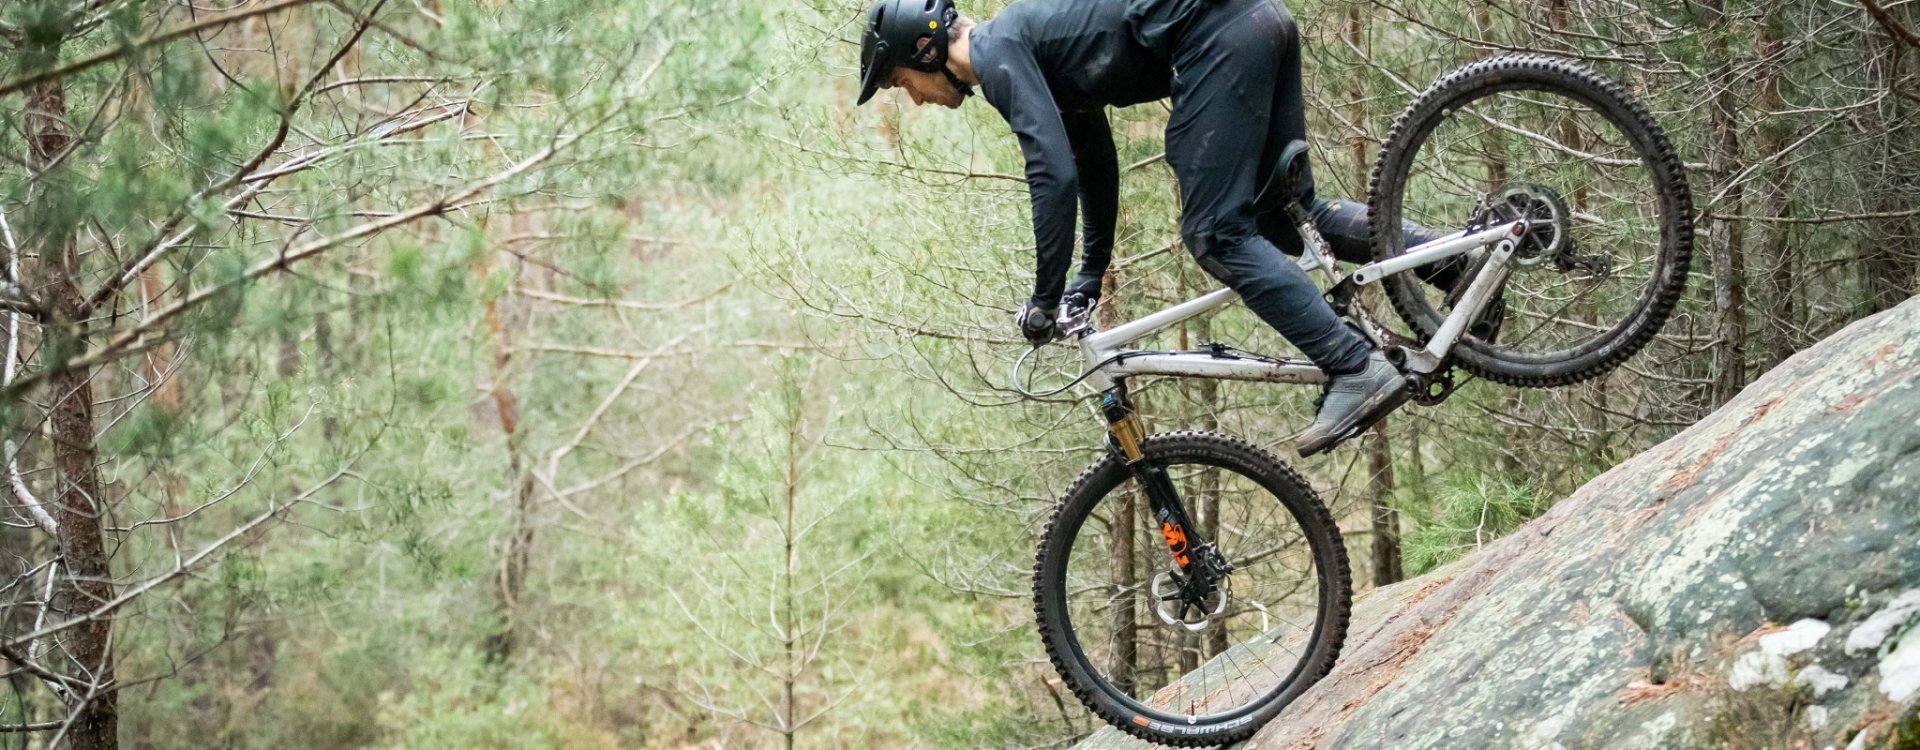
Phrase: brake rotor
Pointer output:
(1169, 591)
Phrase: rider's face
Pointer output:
(924, 87)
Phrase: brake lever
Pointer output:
(1076, 316)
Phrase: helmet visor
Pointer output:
(874, 66)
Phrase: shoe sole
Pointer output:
(1383, 404)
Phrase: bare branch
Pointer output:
(593, 420)
(40, 727)
(369, 80)
(61, 685)
(1892, 25)
(1834, 217)
(245, 173)
(611, 353)
(181, 568)
(132, 337)
(19, 483)
(160, 37)
(620, 303)
(906, 168)
(638, 461)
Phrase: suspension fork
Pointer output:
(1182, 536)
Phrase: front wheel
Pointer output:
(1515, 135)
(1104, 582)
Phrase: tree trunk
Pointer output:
(1415, 478)
(79, 506)
(1123, 524)
(1387, 566)
(1491, 141)
(323, 348)
(1775, 132)
(1890, 252)
(519, 544)
(1385, 521)
(1725, 236)
(789, 627)
(1205, 487)
(168, 396)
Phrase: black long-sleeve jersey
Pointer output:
(1051, 67)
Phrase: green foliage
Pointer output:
(1906, 730)
(458, 700)
(807, 305)
(1466, 512)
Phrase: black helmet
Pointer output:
(894, 28)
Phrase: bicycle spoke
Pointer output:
(1272, 568)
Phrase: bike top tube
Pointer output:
(1103, 344)
(1108, 358)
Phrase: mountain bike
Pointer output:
(1203, 555)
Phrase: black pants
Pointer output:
(1237, 101)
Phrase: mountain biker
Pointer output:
(1232, 70)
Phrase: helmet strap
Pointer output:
(966, 89)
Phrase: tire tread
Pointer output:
(1676, 242)
(1280, 474)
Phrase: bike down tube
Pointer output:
(1203, 365)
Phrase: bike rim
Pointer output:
(1240, 661)
(1597, 163)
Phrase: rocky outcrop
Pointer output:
(1752, 582)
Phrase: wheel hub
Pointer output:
(1549, 224)
(1193, 599)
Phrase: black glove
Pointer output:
(1036, 323)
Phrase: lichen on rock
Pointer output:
(1758, 573)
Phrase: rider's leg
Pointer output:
(1230, 121)
(1222, 106)
(1344, 225)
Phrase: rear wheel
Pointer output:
(1103, 596)
(1526, 136)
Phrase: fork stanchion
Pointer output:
(1123, 423)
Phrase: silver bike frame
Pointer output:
(1108, 357)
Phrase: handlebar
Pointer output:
(1074, 320)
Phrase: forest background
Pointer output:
(594, 374)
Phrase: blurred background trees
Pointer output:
(594, 374)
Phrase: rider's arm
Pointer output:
(1092, 143)
(1013, 84)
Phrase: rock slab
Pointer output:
(1752, 582)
